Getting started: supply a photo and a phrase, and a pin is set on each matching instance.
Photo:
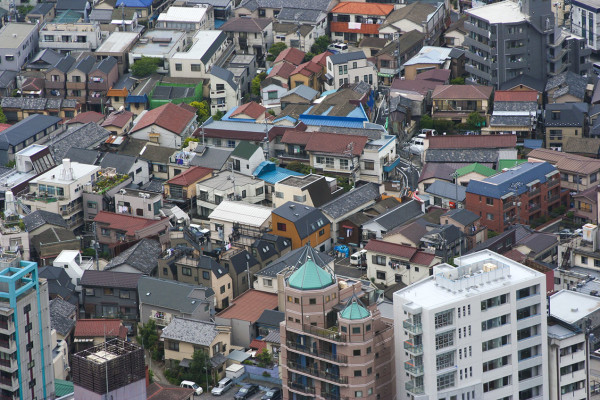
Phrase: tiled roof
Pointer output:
(118, 118)
(516, 95)
(307, 69)
(245, 150)
(190, 176)
(472, 141)
(168, 116)
(346, 27)
(142, 256)
(121, 280)
(173, 295)
(462, 216)
(40, 217)
(283, 70)
(127, 223)
(439, 75)
(191, 331)
(62, 315)
(447, 190)
(361, 196)
(159, 391)
(580, 145)
(455, 92)
(109, 328)
(258, 345)
(412, 254)
(323, 142)
(245, 24)
(250, 305)
(565, 161)
(271, 317)
(363, 8)
(251, 109)
(291, 55)
(415, 12)
(477, 168)
(306, 219)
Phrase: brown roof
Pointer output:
(580, 145)
(127, 223)
(168, 116)
(283, 69)
(460, 92)
(321, 59)
(291, 55)
(421, 86)
(252, 109)
(307, 69)
(32, 84)
(565, 161)
(410, 253)
(363, 8)
(159, 391)
(515, 255)
(590, 194)
(85, 117)
(323, 142)
(516, 95)
(440, 75)
(373, 42)
(250, 305)
(118, 118)
(472, 141)
(91, 328)
(190, 176)
(245, 24)
(414, 12)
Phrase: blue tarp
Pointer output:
(532, 143)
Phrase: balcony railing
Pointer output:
(338, 358)
(552, 199)
(415, 369)
(415, 349)
(4, 324)
(534, 191)
(414, 388)
(332, 396)
(552, 182)
(324, 333)
(6, 381)
(508, 204)
(5, 343)
(300, 387)
(313, 370)
(415, 329)
(534, 207)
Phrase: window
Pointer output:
(105, 232)
(379, 260)
(494, 322)
(340, 70)
(108, 291)
(495, 343)
(267, 282)
(260, 190)
(444, 318)
(494, 302)
(344, 164)
(355, 330)
(496, 384)
(299, 199)
(490, 216)
(444, 339)
(445, 360)
(28, 327)
(89, 291)
(584, 260)
(178, 67)
(446, 380)
(489, 201)
(358, 393)
(123, 294)
(231, 144)
(528, 291)
(321, 232)
(174, 346)
(329, 162)
(281, 226)
(357, 372)
(196, 67)
(312, 301)
(381, 275)
(92, 205)
(205, 275)
(222, 289)
(497, 363)
(186, 271)
(369, 165)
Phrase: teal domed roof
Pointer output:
(354, 310)
(310, 277)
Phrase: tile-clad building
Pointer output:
(519, 195)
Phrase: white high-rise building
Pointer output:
(476, 331)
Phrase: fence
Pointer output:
(256, 374)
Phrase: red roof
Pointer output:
(118, 118)
(4, 126)
(258, 345)
(283, 69)
(400, 250)
(440, 75)
(325, 142)
(307, 69)
(190, 176)
(515, 255)
(252, 109)
(516, 95)
(460, 92)
(85, 117)
(291, 55)
(422, 86)
(363, 9)
(168, 116)
(91, 328)
(344, 27)
(321, 59)
(250, 305)
(472, 141)
(127, 223)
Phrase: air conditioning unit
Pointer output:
(459, 108)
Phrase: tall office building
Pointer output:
(476, 331)
(25, 347)
(511, 38)
(335, 342)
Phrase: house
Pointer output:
(241, 266)
(250, 35)
(519, 195)
(224, 91)
(351, 21)
(372, 45)
(77, 77)
(91, 332)
(267, 248)
(309, 74)
(158, 43)
(446, 195)
(182, 187)
(250, 112)
(42, 12)
(112, 229)
(312, 190)
(243, 313)
(206, 49)
(456, 102)
(198, 155)
(167, 125)
(430, 57)
(417, 93)
(20, 135)
(140, 258)
(426, 18)
(563, 121)
(514, 113)
(389, 59)
(20, 43)
(118, 45)
(301, 94)
(59, 285)
(567, 87)
(281, 73)
(48, 236)
(586, 206)
(343, 68)
(74, 264)
(288, 33)
(19, 108)
(62, 321)
(31, 87)
(469, 224)
(70, 37)
(188, 19)
(161, 300)
(103, 75)
(462, 150)
(87, 136)
(156, 156)
(238, 223)
(378, 226)
(56, 76)
(184, 265)
(455, 35)
(302, 224)
(118, 122)
(270, 173)
(109, 294)
(84, 118)
(246, 157)
(577, 173)
(44, 59)
(271, 91)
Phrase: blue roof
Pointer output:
(499, 185)
(134, 3)
(26, 129)
(532, 143)
(318, 120)
(269, 172)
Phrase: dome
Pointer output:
(354, 310)
(310, 276)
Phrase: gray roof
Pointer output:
(462, 216)
(7, 78)
(295, 258)
(510, 120)
(186, 330)
(178, 296)
(45, 58)
(273, 337)
(172, 92)
(60, 316)
(59, 283)
(84, 65)
(255, 4)
(142, 256)
(42, 8)
(289, 14)
(106, 65)
(85, 136)
(303, 91)
(64, 64)
(264, 249)
(210, 157)
(245, 24)
(40, 217)
(462, 155)
(399, 215)
(122, 163)
(76, 5)
(121, 280)
(522, 106)
(101, 15)
(25, 129)
(342, 58)
(571, 114)
(539, 242)
(83, 156)
(306, 219)
(372, 133)
(241, 261)
(225, 75)
(567, 83)
(358, 197)
(40, 103)
(447, 190)
(238, 355)
(525, 80)
(271, 317)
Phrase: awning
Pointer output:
(347, 227)
(391, 166)
(185, 363)
(385, 75)
(328, 76)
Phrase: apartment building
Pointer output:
(577, 173)
(239, 223)
(335, 343)
(158, 43)
(585, 22)
(188, 19)
(206, 50)
(478, 330)
(19, 44)
(224, 91)
(352, 67)
(564, 121)
(250, 35)
(68, 37)
(351, 22)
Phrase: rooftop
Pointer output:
(108, 328)
(222, 181)
(430, 55)
(127, 223)
(504, 12)
(169, 116)
(118, 42)
(250, 305)
(241, 212)
(13, 34)
(107, 179)
(310, 276)
(363, 8)
(205, 45)
(66, 176)
(354, 310)
(269, 172)
(565, 161)
(514, 180)
(158, 42)
(190, 176)
(183, 14)
(191, 331)
(178, 296)
(570, 306)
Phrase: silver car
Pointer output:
(223, 386)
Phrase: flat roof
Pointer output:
(570, 306)
(31, 150)
(183, 14)
(222, 181)
(117, 42)
(450, 284)
(147, 47)
(300, 181)
(22, 31)
(504, 12)
(57, 174)
(203, 42)
(240, 212)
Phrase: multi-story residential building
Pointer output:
(391, 57)
(56, 77)
(118, 45)
(426, 18)
(457, 102)
(563, 121)
(477, 330)
(141, 203)
(302, 224)
(577, 173)
(352, 67)
(68, 37)
(312, 190)
(99, 195)
(158, 43)
(519, 195)
(250, 35)
(431, 57)
(188, 19)
(19, 45)
(168, 125)
(208, 48)
(181, 188)
(335, 341)
(585, 206)
(59, 191)
(77, 79)
(224, 91)
(585, 23)
(351, 21)
(238, 223)
(509, 38)
(26, 370)
(103, 75)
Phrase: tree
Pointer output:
(255, 86)
(475, 121)
(197, 370)
(148, 335)
(3, 118)
(203, 111)
(218, 115)
(275, 50)
(457, 81)
(309, 56)
(321, 44)
(264, 358)
(187, 141)
(145, 66)
(426, 122)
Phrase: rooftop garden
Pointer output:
(107, 180)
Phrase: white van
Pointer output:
(356, 258)
(338, 48)
(191, 385)
(417, 144)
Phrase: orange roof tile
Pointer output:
(85, 117)
(252, 109)
(110, 328)
(321, 59)
(190, 176)
(291, 55)
(258, 345)
(517, 95)
(363, 8)
(307, 69)
(168, 116)
(127, 223)
(250, 305)
(372, 29)
(283, 69)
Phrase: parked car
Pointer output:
(565, 233)
(223, 386)
(272, 394)
(191, 385)
(337, 48)
(246, 391)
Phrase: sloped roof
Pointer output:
(251, 109)
(25, 129)
(225, 75)
(355, 198)
(447, 190)
(168, 116)
(190, 176)
(477, 168)
(461, 156)
(410, 253)
(84, 136)
(354, 310)
(245, 24)
(250, 305)
(323, 142)
(472, 141)
(291, 55)
(399, 215)
(190, 331)
(515, 95)
(179, 296)
(414, 12)
(462, 216)
(40, 217)
(284, 69)
(85, 117)
(343, 58)
(91, 328)
(105, 278)
(310, 277)
(589, 146)
(271, 317)
(142, 256)
(363, 8)
(127, 223)
(306, 219)
(245, 150)
(455, 92)
(567, 83)
(295, 258)
(565, 161)
(118, 118)
(60, 315)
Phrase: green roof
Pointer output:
(354, 310)
(244, 150)
(477, 168)
(310, 276)
(63, 388)
(509, 163)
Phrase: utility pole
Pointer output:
(350, 151)
(266, 145)
(96, 245)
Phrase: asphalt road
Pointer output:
(343, 267)
(229, 394)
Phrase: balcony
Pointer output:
(314, 371)
(98, 86)
(5, 380)
(332, 396)
(508, 204)
(71, 209)
(534, 207)
(328, 334)
(412, 368)
(553, 199)
(9, 365)
(76, 85)
(416, 350)
(7, 344)
(54, 84)
(413, 388)
(161, 321)
(415, 329)
(552, 182)
(390, 165)
(300, 387)
(533, 192)
(337, 358)
(95, 99)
